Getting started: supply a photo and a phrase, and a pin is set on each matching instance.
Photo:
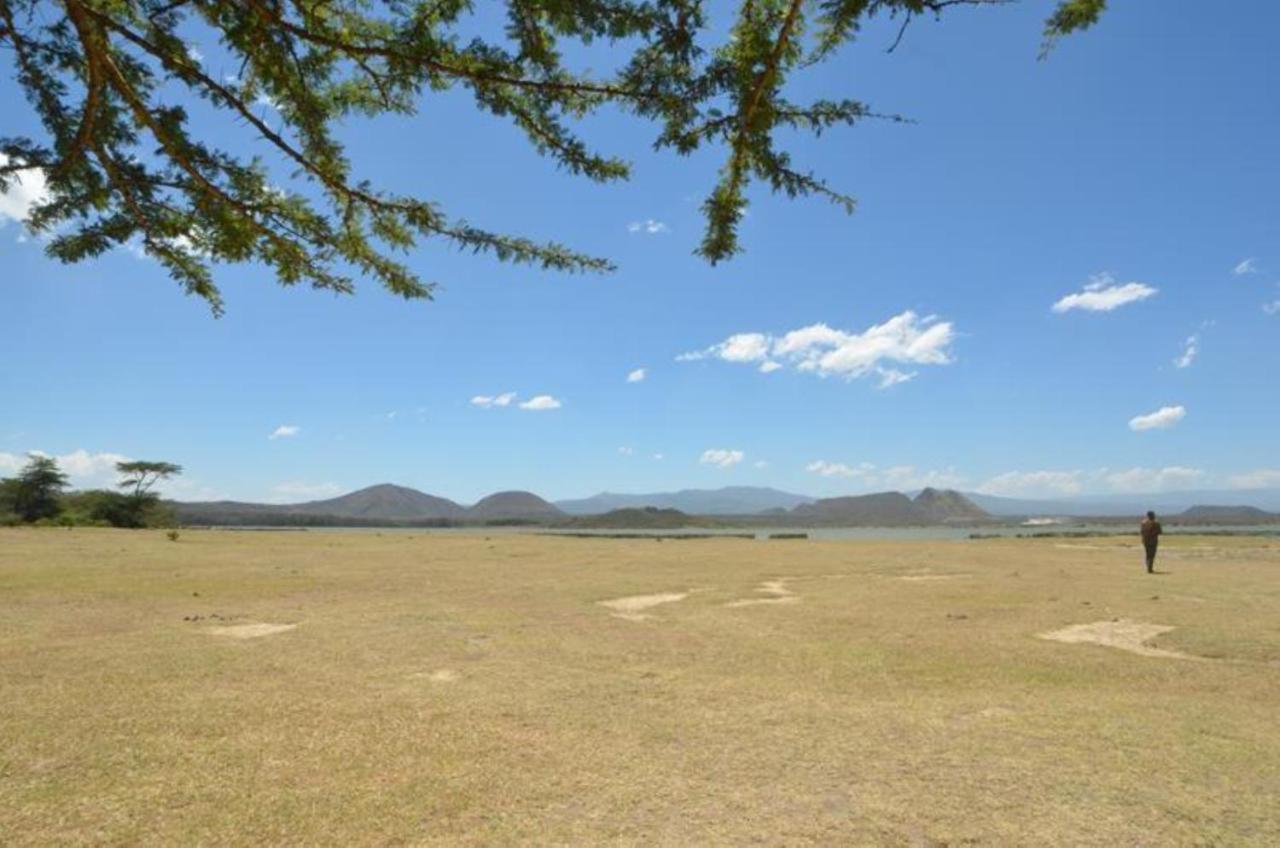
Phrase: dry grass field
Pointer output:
(406, 689)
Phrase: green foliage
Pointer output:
(172, 535)
(104, 508)
(34, 493)
(141, 475)
(1071, 16)
(126, 164)
(8, 498)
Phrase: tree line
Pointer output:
(39, 495)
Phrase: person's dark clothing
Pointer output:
(1151, 531)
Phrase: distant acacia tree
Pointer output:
(141, 475)
(37, 489)
(125, 163)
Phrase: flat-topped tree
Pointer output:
(125, 163)
(141, 475)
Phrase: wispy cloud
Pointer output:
(26, 189)
(487, 401)
(285, 431)
(648, 226)
(636, 376)
(721, 457)
(1103, 294)
(659, 456)
(1259, 478)
(626, 451)
(1034, 484)
(1246, 266)
(541, 403)
(1171, 478)
(760, 463)
(839, 469)
(828, 352)
(1068, 483)
(1190, 348)
(892, 478)
(1162, 419)
(1272, 308)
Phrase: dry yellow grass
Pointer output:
(442, 689)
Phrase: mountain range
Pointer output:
(388, 504)
(384, 503)
(730, 500)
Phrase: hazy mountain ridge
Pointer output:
(1126, 504)
(893, 509)
(729, 500)
(388, 505)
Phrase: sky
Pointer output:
(1063, 278)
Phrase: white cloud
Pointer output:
(1162, 419)
(893, 478)
(1152, 479)
(1034, 484)
(838, 469)
(892, 377)
(1259, 478)
(1246, 266)
(195, 54)
(83, 469)
(760, 463)
(648, 226)
(487, 401)
(1103, 294)
(906, 477)
(285, 431)
(1272, 308)
(658, 456)
(636, 376)
(294, 490)
(826, 351)
(625, 451)
(740, 347)
(721, 457)
(11, 462)
(1190, 348)
(27, 188)
(541, 403)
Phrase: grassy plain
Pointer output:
(458, 689)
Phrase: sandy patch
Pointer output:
(633, 608)
(1123, 634)
(775, 591)
(250, 631)
(924, 577)
(442, 675)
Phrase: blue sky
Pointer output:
(1135, 168)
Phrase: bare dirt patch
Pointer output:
(250, 631)
(440, 675)
(1126, 635)
(633, 608)
(775, 592)
(921, 578)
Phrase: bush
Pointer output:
(173, 535)
(99, 507)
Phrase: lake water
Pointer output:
(865, 533)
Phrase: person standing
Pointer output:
(1151, 531)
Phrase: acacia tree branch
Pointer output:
(386, 51)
